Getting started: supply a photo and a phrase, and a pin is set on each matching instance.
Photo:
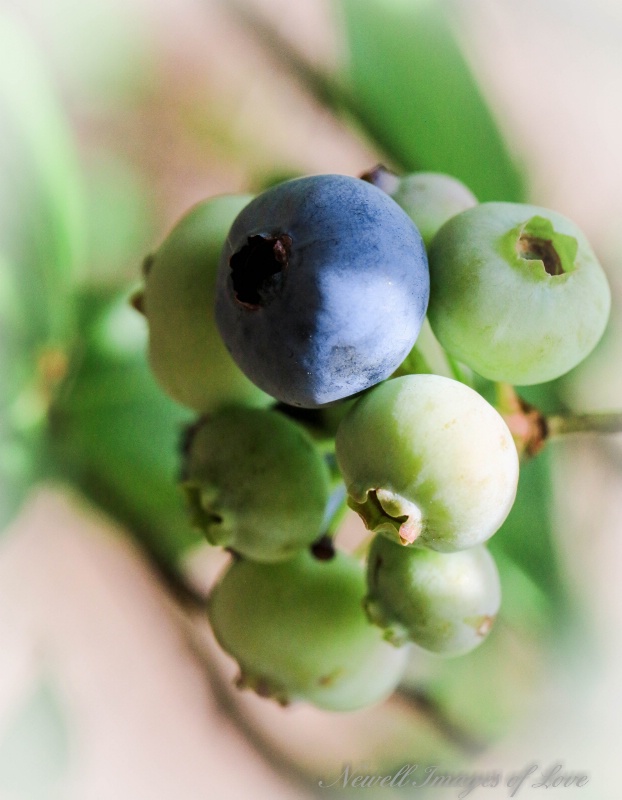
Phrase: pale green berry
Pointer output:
(429, 198)
(299, 632)
(256, 483)
(443, 602)
(517, 292)
(186, 353)
(426, 459)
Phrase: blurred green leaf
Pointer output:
(415, 93)
(484, 692)
(22, 406)
(41, 248)
(34, 751)
(114, 434)
(42, 214)
(120, 217)
(526, 537)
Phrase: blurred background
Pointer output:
(115, 117)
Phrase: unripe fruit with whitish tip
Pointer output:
(426, 459)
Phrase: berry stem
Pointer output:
(531, 429)
(528, 426)
(336, 511)
(362, 549)
(595, 422)
(414, 363)
(458, 372)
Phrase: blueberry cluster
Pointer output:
(288, 321)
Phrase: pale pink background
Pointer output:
(80, 609)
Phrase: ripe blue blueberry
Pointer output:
(323, 286)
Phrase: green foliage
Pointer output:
(40, 250)
(116, 435)
(526, 536)
(42, 225)
(414, 92)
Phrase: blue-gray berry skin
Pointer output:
(323, 286)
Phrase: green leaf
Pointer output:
(114, 434)
(414, 92)
(42, 224)
(34, 751)
(41, 248)
(22, 408)
(486, 690)
(526, 537)
(119, 225)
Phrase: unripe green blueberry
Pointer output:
(186, 353)
(256, 483)
(429, 198)
(299, 632)
(516, 292)
(427, 459)
(444, 602)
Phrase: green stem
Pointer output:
(531, 429)
(457, 371)
(338, 511)
(462, 738)
(595, 422)
(507, 401)
(363, 548)
(326, 446)
(415, 363)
